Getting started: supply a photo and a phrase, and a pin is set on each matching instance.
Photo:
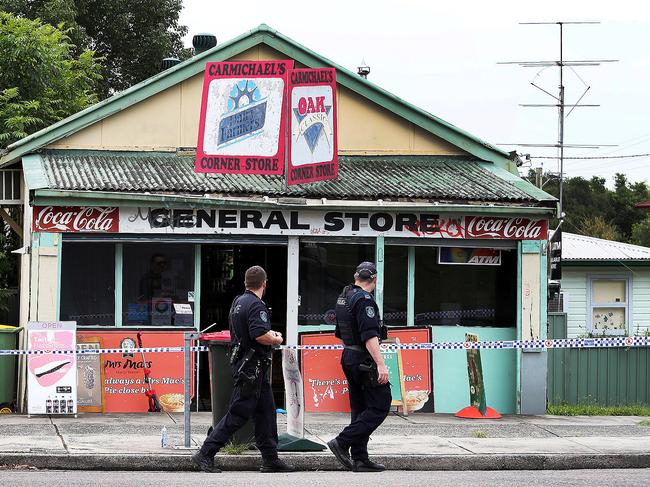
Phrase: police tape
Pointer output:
(549, 344)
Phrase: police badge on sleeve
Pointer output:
(370, 311)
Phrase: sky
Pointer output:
(442, 56)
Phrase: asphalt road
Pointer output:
(560, 478)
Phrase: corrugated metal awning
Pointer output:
(435, 178)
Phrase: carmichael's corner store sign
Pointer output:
(283, 222)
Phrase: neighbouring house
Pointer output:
(605, 287)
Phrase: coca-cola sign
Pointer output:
(505, 228)
(76, 219)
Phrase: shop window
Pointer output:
(395, 285)
(609, 308)
(467, 287)
(158, 281)
(324, 270)
(88, 283)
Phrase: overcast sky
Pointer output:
(442, 56)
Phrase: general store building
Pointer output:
(119, 228)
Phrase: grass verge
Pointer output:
(596, 410)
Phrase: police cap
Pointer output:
(366, 270)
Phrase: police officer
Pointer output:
(358, 325)
(251, 342)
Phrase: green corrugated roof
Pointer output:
(262, 34)
(436, 178)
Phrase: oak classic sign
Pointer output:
(313, 151)
(242, 124)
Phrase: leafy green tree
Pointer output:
(623, 199)
(597, 226)
(591, 207)
(641, 232)
(41, 82)
(132, 36)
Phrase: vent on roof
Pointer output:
(169, 62)
(203, 42)
(10, 190)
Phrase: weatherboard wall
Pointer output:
(575, 287)
(170, 119)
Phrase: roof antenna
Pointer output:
(363, 70)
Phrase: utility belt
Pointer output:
(250, 372)
(368, 367)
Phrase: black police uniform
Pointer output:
(357, 318)
(249, 319)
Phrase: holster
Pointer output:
(249, 375)
(370, 373)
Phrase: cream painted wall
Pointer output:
(170, 120)
(530, 296)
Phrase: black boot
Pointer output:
(367, 465)
(204, 462)
(341, 454)
(276, 465)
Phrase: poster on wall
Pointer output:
(51, 377)
(242, 124)
(313, 151)
(90, 376)
(468, 256)
(123, 381)
(325, 385)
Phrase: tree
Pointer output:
(41, 82)
(132, 36)
(592, 209)
(641, 232)
(597, 226)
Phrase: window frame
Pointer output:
(591, 304)
(118, 276)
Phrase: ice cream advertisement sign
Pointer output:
(52, 377)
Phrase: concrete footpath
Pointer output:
(417, 442)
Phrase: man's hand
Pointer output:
(383, 374)
(270, 338)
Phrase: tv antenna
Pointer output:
(559, 103)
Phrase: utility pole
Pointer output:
(560, 104)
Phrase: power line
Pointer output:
(594, 157)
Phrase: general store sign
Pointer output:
(285, 222)
(242, 124)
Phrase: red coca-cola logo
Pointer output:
(76, 219)
(506, 228)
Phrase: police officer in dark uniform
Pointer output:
(251, 342)
(359, 327)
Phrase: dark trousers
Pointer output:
(369, 405)
(261, 408)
